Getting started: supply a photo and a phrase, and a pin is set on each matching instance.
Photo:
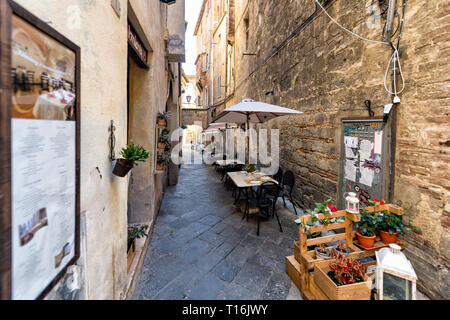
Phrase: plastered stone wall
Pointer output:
(109, 203)
(316, 67)
(149, 96)
(103, 98)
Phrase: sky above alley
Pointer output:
(192, 10)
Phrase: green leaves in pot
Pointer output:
(133, 153)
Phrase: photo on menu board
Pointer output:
(42, 74)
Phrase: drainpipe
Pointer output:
(390, 19)
(393, 116)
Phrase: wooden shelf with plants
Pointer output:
(308, 267)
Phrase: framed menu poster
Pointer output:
(40, 121)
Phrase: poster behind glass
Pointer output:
(43, 142)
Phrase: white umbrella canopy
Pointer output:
(251, 111)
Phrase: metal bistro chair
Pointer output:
(288, 187)
(266, 198)
(279, 176)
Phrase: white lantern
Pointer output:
(352, 203)
(396, 278)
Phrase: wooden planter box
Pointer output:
(356, 291)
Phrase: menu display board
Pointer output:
(44, 146)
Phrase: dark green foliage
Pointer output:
(133, 153)
(368, 224)
(164, 116)
(250, 168)
(163, 159)
(135, 232)
(392, 223)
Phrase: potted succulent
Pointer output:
(390, 225)
(343, 279)
(366, 229)
(162, 161)
(163, 117)
(132, 154)
(163, 142)
(322, 251)
(341, 249)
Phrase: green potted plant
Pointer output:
(132, 154)
(163, 142)
(390, 225)
(163, 117)
(162, 161)
(366, 229)
(250, 168)
(324, 208)
(134, 232)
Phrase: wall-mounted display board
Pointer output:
(364, 160)
(40, 147)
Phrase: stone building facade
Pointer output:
(289, 53)
(115, 87)
(215, 53)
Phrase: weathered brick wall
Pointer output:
(328, 74)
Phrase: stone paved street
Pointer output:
(202, 249)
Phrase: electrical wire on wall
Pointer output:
(395, 58)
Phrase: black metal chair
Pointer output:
(287, 188)
(266, 198)
(279, 176)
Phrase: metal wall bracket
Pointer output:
(112, 141)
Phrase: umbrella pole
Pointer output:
(248, 138)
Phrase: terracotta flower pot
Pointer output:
(387, 238)
(161, 122)
(159, 167)
(161, 145)
(121, 168)
(366, 242)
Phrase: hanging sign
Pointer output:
(138, 48)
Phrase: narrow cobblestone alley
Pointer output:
(202, 249)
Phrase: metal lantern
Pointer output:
(396, 278)
(188, 98)
(352, 203)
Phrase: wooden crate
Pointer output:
(300, 267)
(293, 271)
(309, 258)
(355, 291)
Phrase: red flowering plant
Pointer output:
(376, 202)
(346, 271)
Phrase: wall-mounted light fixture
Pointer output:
(188, 98)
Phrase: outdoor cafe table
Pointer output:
(242, 179)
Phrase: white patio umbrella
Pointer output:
(251, 111)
